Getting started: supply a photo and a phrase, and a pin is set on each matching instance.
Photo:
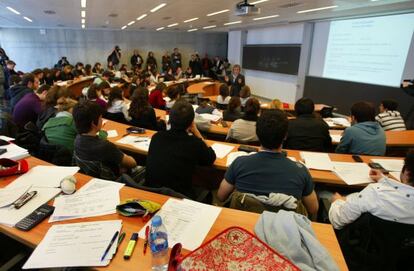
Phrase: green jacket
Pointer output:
(61, 131)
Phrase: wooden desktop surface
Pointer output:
(226, 218)
(76, 87)
(403, 139)
(319, 176)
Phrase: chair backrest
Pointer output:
(326, 112)
(118, 117)
(53, 153)
(241, 201)
(94, 168)
(371, 243)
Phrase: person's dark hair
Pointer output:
(224, 90)
(10, 62)
(103, 85)
(363, 111)
(88, 69)
(79, 64)
(139, 103)
(271, 128)
(173, 93)
(108, 74)
(77, 73)
(409, 165)
(84, 114)
(234, 103)
(161, 86)
(37, 71)
(115, 94)
(304, 106)
(28, 78)
(251, 110)
(391, 105)
(55, 93)
(95, 67)
(42, 88)
(245, 92)
(14, 80)
(181, 115)
(91, 95)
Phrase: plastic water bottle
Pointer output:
(159, 244)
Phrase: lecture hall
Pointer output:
(174, 135)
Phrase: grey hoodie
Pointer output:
(363, 138)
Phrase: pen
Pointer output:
(141, 140)
(146, 239)
(121, 238)
(110, 245)
(131, 245)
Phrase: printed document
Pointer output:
(352, 173)
(221, 150)
(317, 160)
(390, 164)
(138, 142)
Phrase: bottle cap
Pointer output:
(156, 221)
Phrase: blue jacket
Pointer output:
(363, 138)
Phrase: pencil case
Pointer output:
(136, 207)
(10, 167)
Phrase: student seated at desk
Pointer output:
(386, 198)
(223, 98)
(141, 113)
(269, 170)
(389, 118)
(233, 111)
(97, 157)
(245, 95)
(307, 131)
(95, 94)
(117, 106)
(174, 154)
(174, 93)
(365, 136)
(244, 130)
(67, 73)
(205, 108)
(30, 107)
(156, 97)
(28, 84)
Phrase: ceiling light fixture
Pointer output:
(83, 3)
(192, 30)
(83, 14)
(141, 17)
(160, 6)
(190, 20)
(316, 9)
(125, 26)
(218, 12)
(13, 10)
(230, 23)
(131, 22)
(210, 26)
(83, 21)
(266, 17)
(258, 2)
(171, 25)
(83, 26)
(27, 19)
(160, 28)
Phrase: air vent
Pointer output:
(104, 26)
(291, 5)
(113, 15)
(49, 12)
(61, 25)
(142, 27)
(212, 21)
(166, 18)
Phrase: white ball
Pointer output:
(68, 185)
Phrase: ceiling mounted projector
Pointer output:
(245, 9)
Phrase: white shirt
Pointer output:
(220, 99)
(388, 199)
(243, 131)
(120, 106)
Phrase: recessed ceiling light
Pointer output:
(316, 9)
(230, 23)
(266, 17)
(141, 17)
(192, 30)
(49, 12)
(258, 2)
(13, 10)
(218, 12)
(27, 19)
(190, 20)
(83, 21)
(113, 15)
(83, 26)
(83, 14)
(131, 22)
(125, 26)
(160, 28)
(171, 25)
(210, 26)
(83, 3)
(158, 7)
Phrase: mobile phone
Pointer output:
(357, 158)
(135, 130)
(3, 151)
(378, 166)
(24, 199)
(247, 148)
(223, 123)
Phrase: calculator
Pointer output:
(35, 217)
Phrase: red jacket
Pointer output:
(156, 100)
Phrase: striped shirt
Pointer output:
(391, 121)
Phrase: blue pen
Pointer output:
(110, 245)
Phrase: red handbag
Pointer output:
(233, 249)
(10, 167)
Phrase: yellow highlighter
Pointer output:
(131, 245)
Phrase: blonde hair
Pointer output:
(66, 105)
(276, 104)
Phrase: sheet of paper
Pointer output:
(352, 173)
(292, 158)
(390, 164)
(139, 142)
(96, 184)
(396, 175)
(233, 155)
(10, 216)
(333, 122)
(76, 244)
(210, 117)
(336, 138)
(317, 160)
(44, 176)
(221, 150)
(112, 133)
(97, 202)
(187, 222)
(10, 195)
(6, 138)
(14, 152)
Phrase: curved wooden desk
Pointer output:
(138, 261)
(204, 89)
(76, 87)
